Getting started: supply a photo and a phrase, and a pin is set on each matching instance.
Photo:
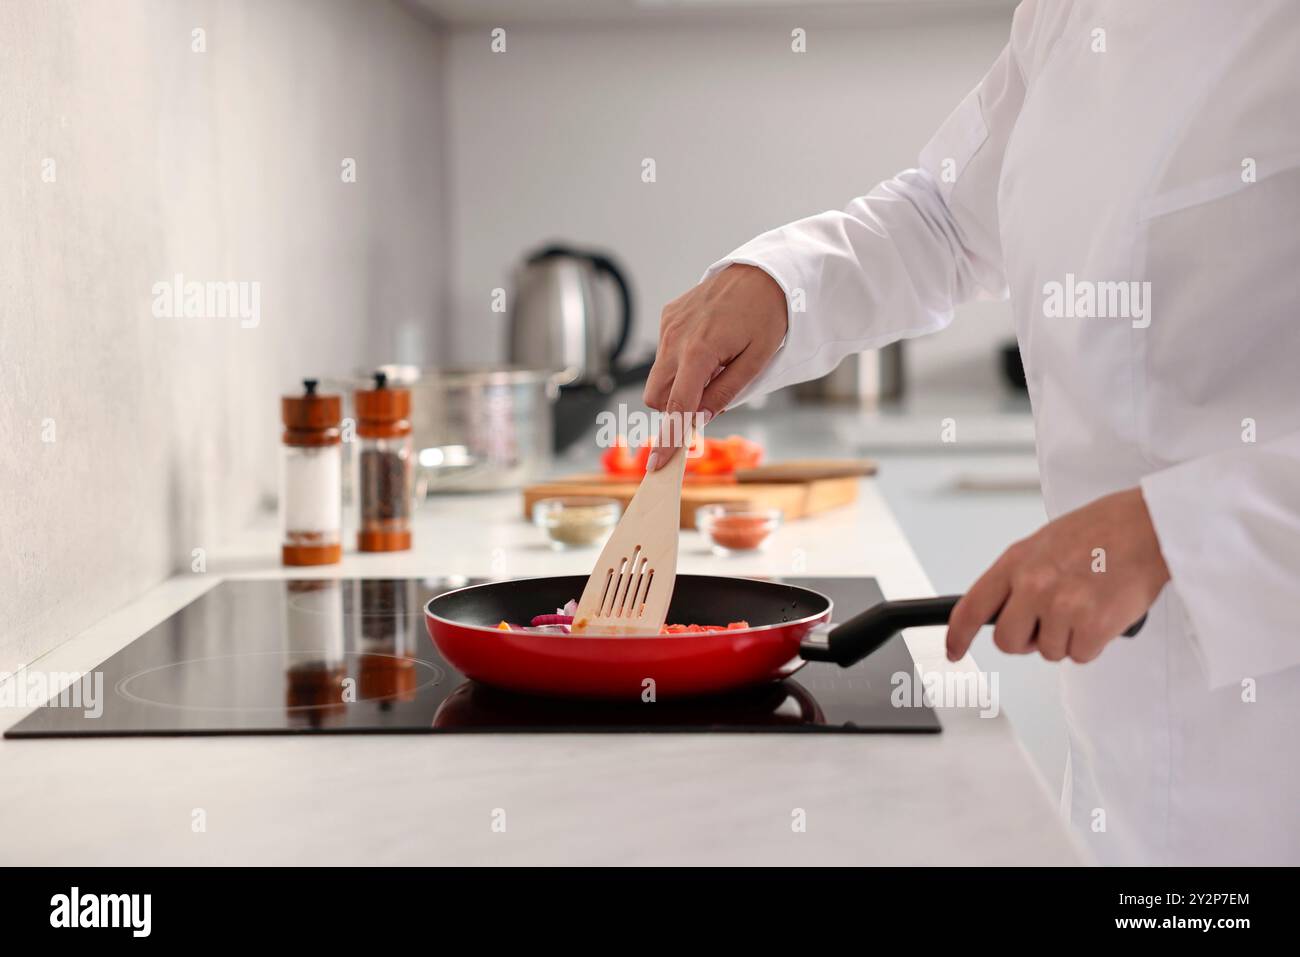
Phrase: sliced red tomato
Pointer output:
(709, 457)
(619, 460)
(743, 453)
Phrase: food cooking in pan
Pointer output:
(560, 622)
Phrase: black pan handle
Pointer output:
(849, 643)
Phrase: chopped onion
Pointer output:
(557, 619)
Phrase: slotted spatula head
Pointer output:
(630, 587)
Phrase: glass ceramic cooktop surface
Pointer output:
(352, 656)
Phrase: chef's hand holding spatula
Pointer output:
(714, 340)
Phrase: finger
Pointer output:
(659, 382)
(1086, 645)
(656, 397)
(977, 607)
(731, 380)
(694, 370)
(1017, 623)
(676, 424)
(677, 431)
(1053, 641)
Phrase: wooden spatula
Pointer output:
(630, 587)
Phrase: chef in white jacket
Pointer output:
(1129, 174)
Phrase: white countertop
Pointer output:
(966, 796)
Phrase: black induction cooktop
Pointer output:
(352, 656)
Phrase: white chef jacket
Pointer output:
(1123, 142)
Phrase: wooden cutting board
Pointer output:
(797, 488)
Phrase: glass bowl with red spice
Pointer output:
(733, 527)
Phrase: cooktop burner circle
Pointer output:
(238, 682)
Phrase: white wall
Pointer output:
(546, 140)
(218, 165)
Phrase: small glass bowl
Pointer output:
(733, 527)
(577, 521)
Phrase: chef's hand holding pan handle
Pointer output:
(850, 642)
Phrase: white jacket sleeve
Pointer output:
(1228, 525)
(894, 263)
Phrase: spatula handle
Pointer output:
(631, 583)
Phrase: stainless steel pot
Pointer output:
(479, 429)
(866, 378)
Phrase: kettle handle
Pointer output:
(610, 268)
(606, 265)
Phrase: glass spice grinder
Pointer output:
(385, 462)
(311, 477)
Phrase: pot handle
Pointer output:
(849, 643)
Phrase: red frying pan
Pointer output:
(787, 629)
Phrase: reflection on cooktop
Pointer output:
(477, 707)
(352, 655)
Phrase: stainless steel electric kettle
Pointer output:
(556, 321)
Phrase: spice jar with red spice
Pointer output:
(384, 467)
(736, 526)
(311, 477)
